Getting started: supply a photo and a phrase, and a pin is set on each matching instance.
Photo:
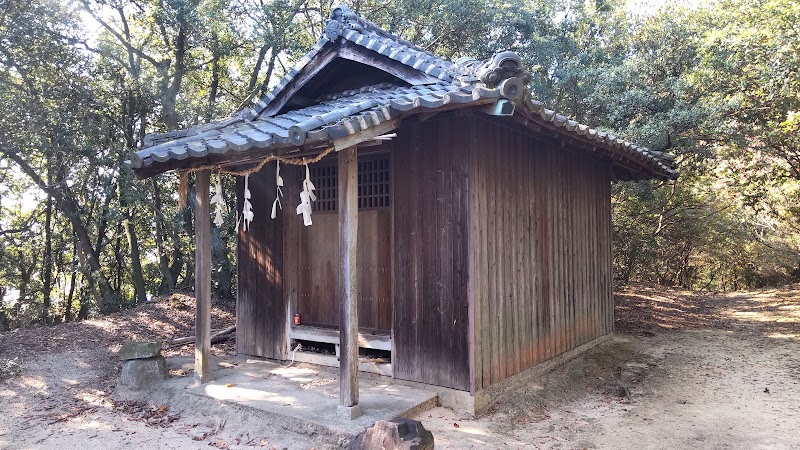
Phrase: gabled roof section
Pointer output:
(299, 66)
(351, 35)
(420, 83)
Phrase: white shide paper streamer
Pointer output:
(278, 192)
(306, 197)
(219, 202)
(247, 207)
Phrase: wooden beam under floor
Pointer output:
(349, 407)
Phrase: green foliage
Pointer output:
(703, 84)
(82, 83)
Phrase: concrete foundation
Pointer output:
(349, 412)
(301, 399)
(468, 404)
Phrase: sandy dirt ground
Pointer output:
(684, 371)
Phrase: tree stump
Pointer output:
(400, 434)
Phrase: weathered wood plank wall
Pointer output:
(537, 221)
(311, 255)
(260, 301)
(540, 240)
(431, 164)
(317, 253)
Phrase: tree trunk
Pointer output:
(167, 280)
(83, 310)
(133, 245)
(67, 205)
(105, 306)
(68, 304)
(24, 280)
(176, 268)
(220, 255)
(270, 69)
(47, 260)
(103, 225)
(262, 52)
(170, 94)
(188, 225)
(212, 93)
(4, 322)
(120, 271)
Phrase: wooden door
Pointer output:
(318, 258)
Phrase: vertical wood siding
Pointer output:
(260, 304)
(430, 330)
(311, 255)
(319, 266)
(501, 258)
(540, 241)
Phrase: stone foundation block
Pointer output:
(140, 350)
(143, 373)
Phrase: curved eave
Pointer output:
(641, 161)
(246, 141)
(360, 110)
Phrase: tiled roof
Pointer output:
(660, 162)
(467, 82)
(333, 118)
(287, 78)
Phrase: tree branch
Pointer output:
(120, 38)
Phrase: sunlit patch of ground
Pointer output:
(644, 309)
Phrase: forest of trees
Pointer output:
(83, 81)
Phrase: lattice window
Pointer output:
(324, 178)
(373, 183)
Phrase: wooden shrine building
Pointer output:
(461, 230)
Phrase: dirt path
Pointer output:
(63, 401)
(64, 398)
(696, 389)
(702, 371)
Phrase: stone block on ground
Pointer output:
(143, 373)
(401, 434)
(140, 350)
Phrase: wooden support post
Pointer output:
(347, 284)
(202, 278)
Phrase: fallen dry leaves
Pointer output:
(165, 318)
(151, 415)
(70, 412)
(644, 310)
